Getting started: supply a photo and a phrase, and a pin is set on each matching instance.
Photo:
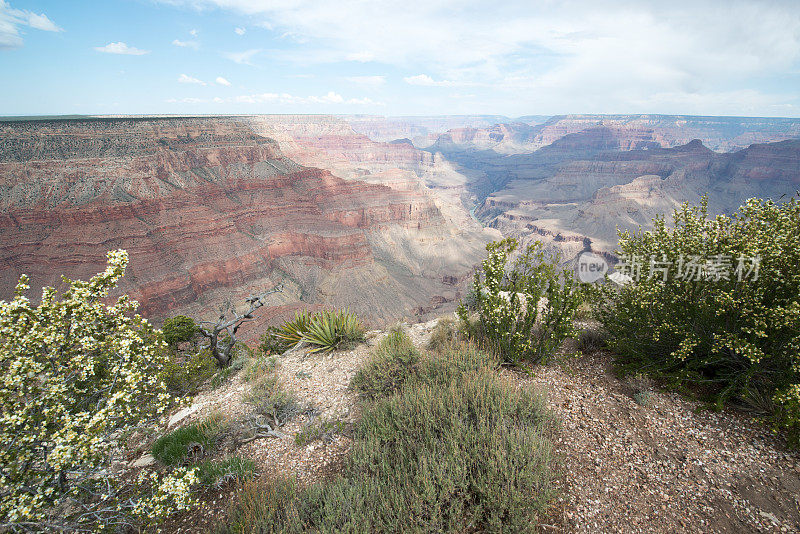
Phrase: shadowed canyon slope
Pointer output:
(210, 212)
(600, 173)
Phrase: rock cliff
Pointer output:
(210, 211)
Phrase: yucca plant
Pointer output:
(325, 330)
(292, 331)
(328, 329)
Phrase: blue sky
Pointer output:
(399, 58)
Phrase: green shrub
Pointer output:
(733, 333)
(325, 330)
(444, 334)
(270, 343)
(179, 329)
(266, 506)
(319, 429)
(641, 388)
(173, 448)
(185, 373)
(451, 447)
(591, 339)
(389, 366)
(270, 399)
(221, 472)
(584, 311)
(258, 367)
(507, 300)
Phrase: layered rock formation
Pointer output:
(527, 134)
(581, 203)
(210, 211)
(348, 211)
(421, 130)
(572, 180)
(332, 143)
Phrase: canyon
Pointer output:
(597, 175)
(211, 212)
(386, 216)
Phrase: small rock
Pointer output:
(144, 461)
(768, 515)
(180, 415)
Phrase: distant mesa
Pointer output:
(403, 141)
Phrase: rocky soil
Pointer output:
(662, 465)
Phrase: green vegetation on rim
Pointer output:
(447, 446)
(324, 331)
(77, 374)
(173, 448)
(179, 329)
(525, 309)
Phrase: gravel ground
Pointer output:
(663, 466)
(660, 467)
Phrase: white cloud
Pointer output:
(186, 44)
(425, 80)
(369, 81)
(121, 48)
(362, 56)
(12, 19)
(183, 78)
(41, 22)
(582, 54)
(187, 100)
(285, 98)
(193, 33)
(240, 31)
(222, 81)
(243, 58)
(364, 102)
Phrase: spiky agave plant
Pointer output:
(292, 331)
(326, 330)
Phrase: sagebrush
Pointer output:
(444, 445)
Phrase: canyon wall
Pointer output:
(210, 211)
(527, 134)
(350, 212)
(581, 203)
(572, 181)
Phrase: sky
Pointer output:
(435, 57)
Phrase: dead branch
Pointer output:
(222, 334)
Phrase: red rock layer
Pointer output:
(200, 204)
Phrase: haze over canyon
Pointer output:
(386, 216)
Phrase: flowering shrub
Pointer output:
(525, 311)
(75, 375)
(733, 330)
(164, 494)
